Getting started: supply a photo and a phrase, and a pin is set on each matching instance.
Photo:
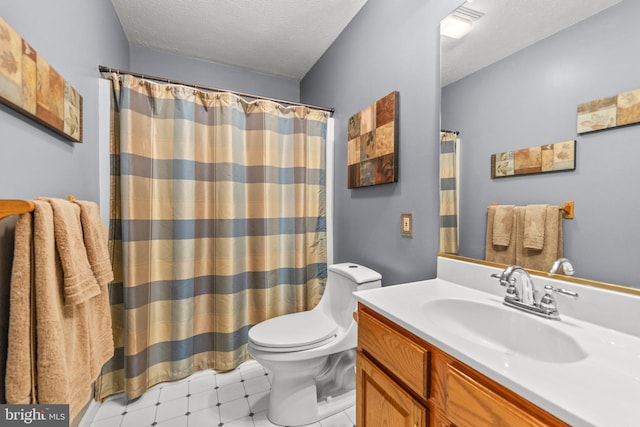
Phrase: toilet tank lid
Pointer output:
(357, 273)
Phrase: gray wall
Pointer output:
(530, 99)
(186, 69)
(74, 37)
(388, 46)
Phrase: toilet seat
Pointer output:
(293, 332)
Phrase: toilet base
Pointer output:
(294, 399)
(330, 406)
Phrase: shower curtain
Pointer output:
(449, 144)
(217, 223)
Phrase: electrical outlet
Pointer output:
(407, 224)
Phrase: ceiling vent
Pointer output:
(468, 13)
(459, 22)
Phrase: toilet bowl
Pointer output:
(311, 354)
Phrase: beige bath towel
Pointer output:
(534, 226)
(79, 281)
(502, 225)
(540, 259)
(500, 254)
(20, 376)
(72, 341)
(95, 241)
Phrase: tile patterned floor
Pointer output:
(206, 399)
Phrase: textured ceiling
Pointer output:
(508, 26)
(287, 37)
(280, 37)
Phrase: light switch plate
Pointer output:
(407, 224)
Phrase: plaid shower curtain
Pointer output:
(449, 192)
(217, 223)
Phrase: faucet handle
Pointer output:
(567, 292)
(509, 283)
(548, 302)
(500, 277)
(503, 278)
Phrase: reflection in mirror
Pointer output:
(526, 96)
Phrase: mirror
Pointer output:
(529, 98)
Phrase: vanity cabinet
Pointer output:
(404, 381)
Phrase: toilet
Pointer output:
(311, 354)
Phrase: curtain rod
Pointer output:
(104, 69)
(450, 131)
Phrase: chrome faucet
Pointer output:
(526, 300)
(506, 279)
(567, 268)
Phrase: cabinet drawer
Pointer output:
(401, 356)
(472, 404)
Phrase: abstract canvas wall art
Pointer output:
(560, 156)
(372, 150)
(29, 85)
(620, 110)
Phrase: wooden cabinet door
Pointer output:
(380, 402)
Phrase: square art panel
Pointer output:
(560, 156)
(372, 149)
(29, 85)
(597, 115)
(628, 108)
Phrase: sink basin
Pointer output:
(504, 329)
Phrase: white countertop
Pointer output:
(602, 389)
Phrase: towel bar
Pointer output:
(15, 207)
(567, 208)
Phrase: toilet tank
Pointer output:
(343, 279)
